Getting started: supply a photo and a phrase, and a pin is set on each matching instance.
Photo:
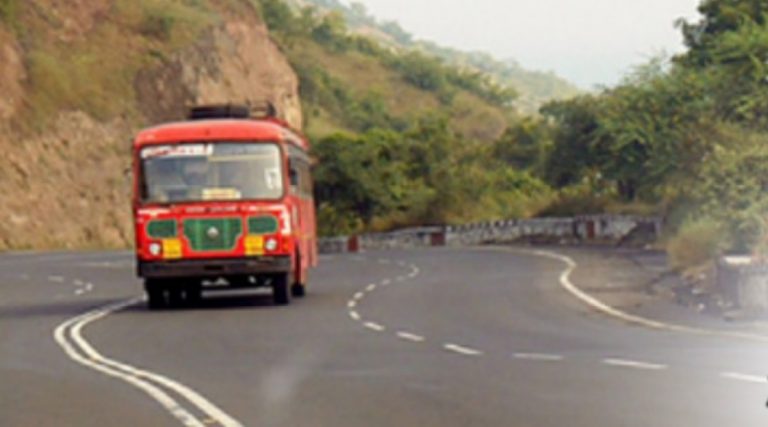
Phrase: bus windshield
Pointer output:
(211, 172)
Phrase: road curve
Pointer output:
(441, 337)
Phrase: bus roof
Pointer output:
(220, 130)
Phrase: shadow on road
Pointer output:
(54, 309)
(216, 301)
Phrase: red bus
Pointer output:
(223, 201)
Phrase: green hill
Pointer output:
(352, 82)
(534, 88)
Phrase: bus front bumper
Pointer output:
(214, 267)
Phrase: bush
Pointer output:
(8, 10)
(159, 26)
(697, 242)
(581, 199)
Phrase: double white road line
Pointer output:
(194, 411)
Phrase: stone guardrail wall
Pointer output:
(583, 229)
(743, 282)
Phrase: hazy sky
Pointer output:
(590, 42)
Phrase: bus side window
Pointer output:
(294, 175)
(306, 180)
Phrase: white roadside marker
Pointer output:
(744, 377)
(359, 296)
(634, 364)
(466, 351)
(352, 304)
(354, 315)
(374, 327)
(385, 282)
(410, 337)
(370, 288)
(538, 356)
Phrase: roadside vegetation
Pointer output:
(96, 74)
(685, 136)
(411, 137)
(402, 138)
(681, 137)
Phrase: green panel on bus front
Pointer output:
(213, 234)
(162, 229)
(266, 224)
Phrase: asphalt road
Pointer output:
(474, 337)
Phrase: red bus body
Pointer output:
(273, 242)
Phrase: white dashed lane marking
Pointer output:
(374, 327)
(755, 379)
(410, 337)
(466, 351)
(56, 279)
(634, 364)
(543, 357)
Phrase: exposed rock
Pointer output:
(64, 186)
(68, 20)
(235, 62)
(46, 178)
(12, 75)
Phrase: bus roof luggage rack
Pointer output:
(224, 111)
(261, 110)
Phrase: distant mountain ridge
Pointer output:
(535, 88)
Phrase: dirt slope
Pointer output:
(65, 126)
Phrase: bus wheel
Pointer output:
(194, 295)
(155, 294)
(175, 297)
(298, 290)
(280, 292)
(299, 286)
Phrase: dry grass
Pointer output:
(696, 243)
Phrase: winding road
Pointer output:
(438, 337)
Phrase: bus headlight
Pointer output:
(271, 244)
(155, 249)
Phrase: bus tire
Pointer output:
(155, 295)
(176, 297)
(194, 295)
(299, 286)
(298, 290)
(280, 293)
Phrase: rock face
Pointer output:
(235, 62)
(12, 75)
(65, 186)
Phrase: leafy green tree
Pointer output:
(525, 145)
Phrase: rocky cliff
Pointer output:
(65, 125)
